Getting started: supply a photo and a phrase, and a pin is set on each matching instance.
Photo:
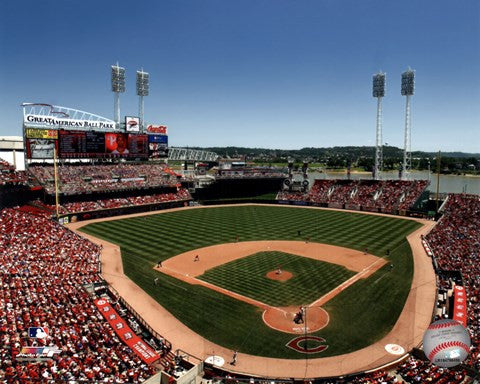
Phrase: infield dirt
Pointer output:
(187, 266)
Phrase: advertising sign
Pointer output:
(132, 124)
(64, 122)
(35, 133)
(160, 129)
(124, 332)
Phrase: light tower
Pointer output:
(142, 90)
(118, 86)
(379, 93)
(408, 87)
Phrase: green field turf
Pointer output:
(371, 305)
(311, 278)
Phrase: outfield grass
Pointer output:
(371, 305)
(311, 278)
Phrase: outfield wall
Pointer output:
(239, 187)
(102, 213)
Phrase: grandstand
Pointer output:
(79, 179)
(385, 196)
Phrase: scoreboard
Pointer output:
(83, 144)
(91, 144)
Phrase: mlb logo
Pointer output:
(38, 332)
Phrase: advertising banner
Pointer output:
(460, 305)
(132, 124)
(125, 333)
(35, 133)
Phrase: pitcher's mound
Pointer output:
(281, 319)
(283, 276)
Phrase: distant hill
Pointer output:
(352, 152)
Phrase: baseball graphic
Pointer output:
(446, 343)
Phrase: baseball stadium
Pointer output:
(125, 260)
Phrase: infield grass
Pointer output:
(247, 276)
(359, 316)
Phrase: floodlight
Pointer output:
(408, 83)
(118, 79)
(379, 84)
(142, 83)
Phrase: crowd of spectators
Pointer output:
(43, 268)
(182, 194)
(9, 176)
(418, 371)
(319, 191)
(78, 179)
(386, 195)
(455, 244)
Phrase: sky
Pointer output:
(252, 73)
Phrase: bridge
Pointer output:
(187, 154)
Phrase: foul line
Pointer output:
(347, 283)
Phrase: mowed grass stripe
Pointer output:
(372, 305)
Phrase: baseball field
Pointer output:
(358, 315)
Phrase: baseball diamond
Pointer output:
(369, 313)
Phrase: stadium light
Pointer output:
(143, 88)
(379, 81)
(408, 88)
(118, 86)
(408, 82)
